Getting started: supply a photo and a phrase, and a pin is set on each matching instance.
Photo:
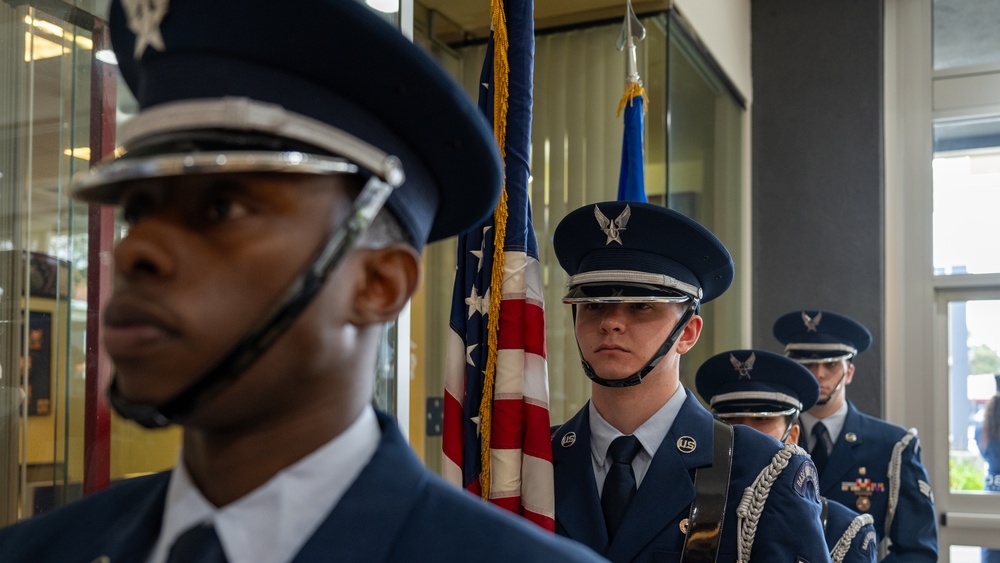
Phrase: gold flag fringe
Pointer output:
(632, 91)
(501, 86)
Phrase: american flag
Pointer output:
(499, 447)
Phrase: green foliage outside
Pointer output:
(965, 474)
(983, 359)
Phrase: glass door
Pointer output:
(45, 66)
(967, 336)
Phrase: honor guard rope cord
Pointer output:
(844, 543)
(752, 504)
(501, 86)
(895, 463)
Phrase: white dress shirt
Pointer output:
(273, 522)
(834, 424)
(650, 435)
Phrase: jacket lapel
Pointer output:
(842, 458)
(132, 537)
(667, 490)
(360, 528)
(578, 505)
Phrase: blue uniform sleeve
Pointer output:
(863, 549)
(790, 528)
(850, 536)
(913, 533)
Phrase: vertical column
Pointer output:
(100, 230)
(818, 183)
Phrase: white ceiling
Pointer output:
(473, 16)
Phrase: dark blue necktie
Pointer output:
(199, 544)
(819, 453)
(619, 486)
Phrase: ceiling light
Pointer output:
(106, 56)
(79, 152)
(47, 27)
(384, 6)
(37, 48)
(45, 48)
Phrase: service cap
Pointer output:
(629, 251)
(821, 336)
(755, 383)
(254, 85)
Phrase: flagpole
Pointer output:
(631, 179)
(632, 32)
(495, 427)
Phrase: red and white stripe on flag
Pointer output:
(521, 451)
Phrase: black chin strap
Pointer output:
(791, 423)
(836, 389)
(636, 378)
(271, 326)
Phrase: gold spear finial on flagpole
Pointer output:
(632, 32)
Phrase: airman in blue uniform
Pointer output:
(864, 463)
(289, 162)
(643, 472)
(768, 392)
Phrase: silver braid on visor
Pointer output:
(186, 119)
(662, 288)
(758, 397)
(794, 350)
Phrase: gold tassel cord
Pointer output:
(501, 85)
(492, 328)
(501, 75)
(632, 91)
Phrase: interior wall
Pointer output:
(817, 171)
(724, 27)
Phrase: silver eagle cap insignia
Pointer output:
(613, 229)
(144, 18)
(743, 368)
(811, 322)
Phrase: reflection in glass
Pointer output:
(703, 173)
(44, 109)
(974, 341)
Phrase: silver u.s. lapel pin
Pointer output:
(568, 440)
(686, 444)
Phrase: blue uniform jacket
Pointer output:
(789, 527)
(865, 542)
(862, 451)
(396, 510)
